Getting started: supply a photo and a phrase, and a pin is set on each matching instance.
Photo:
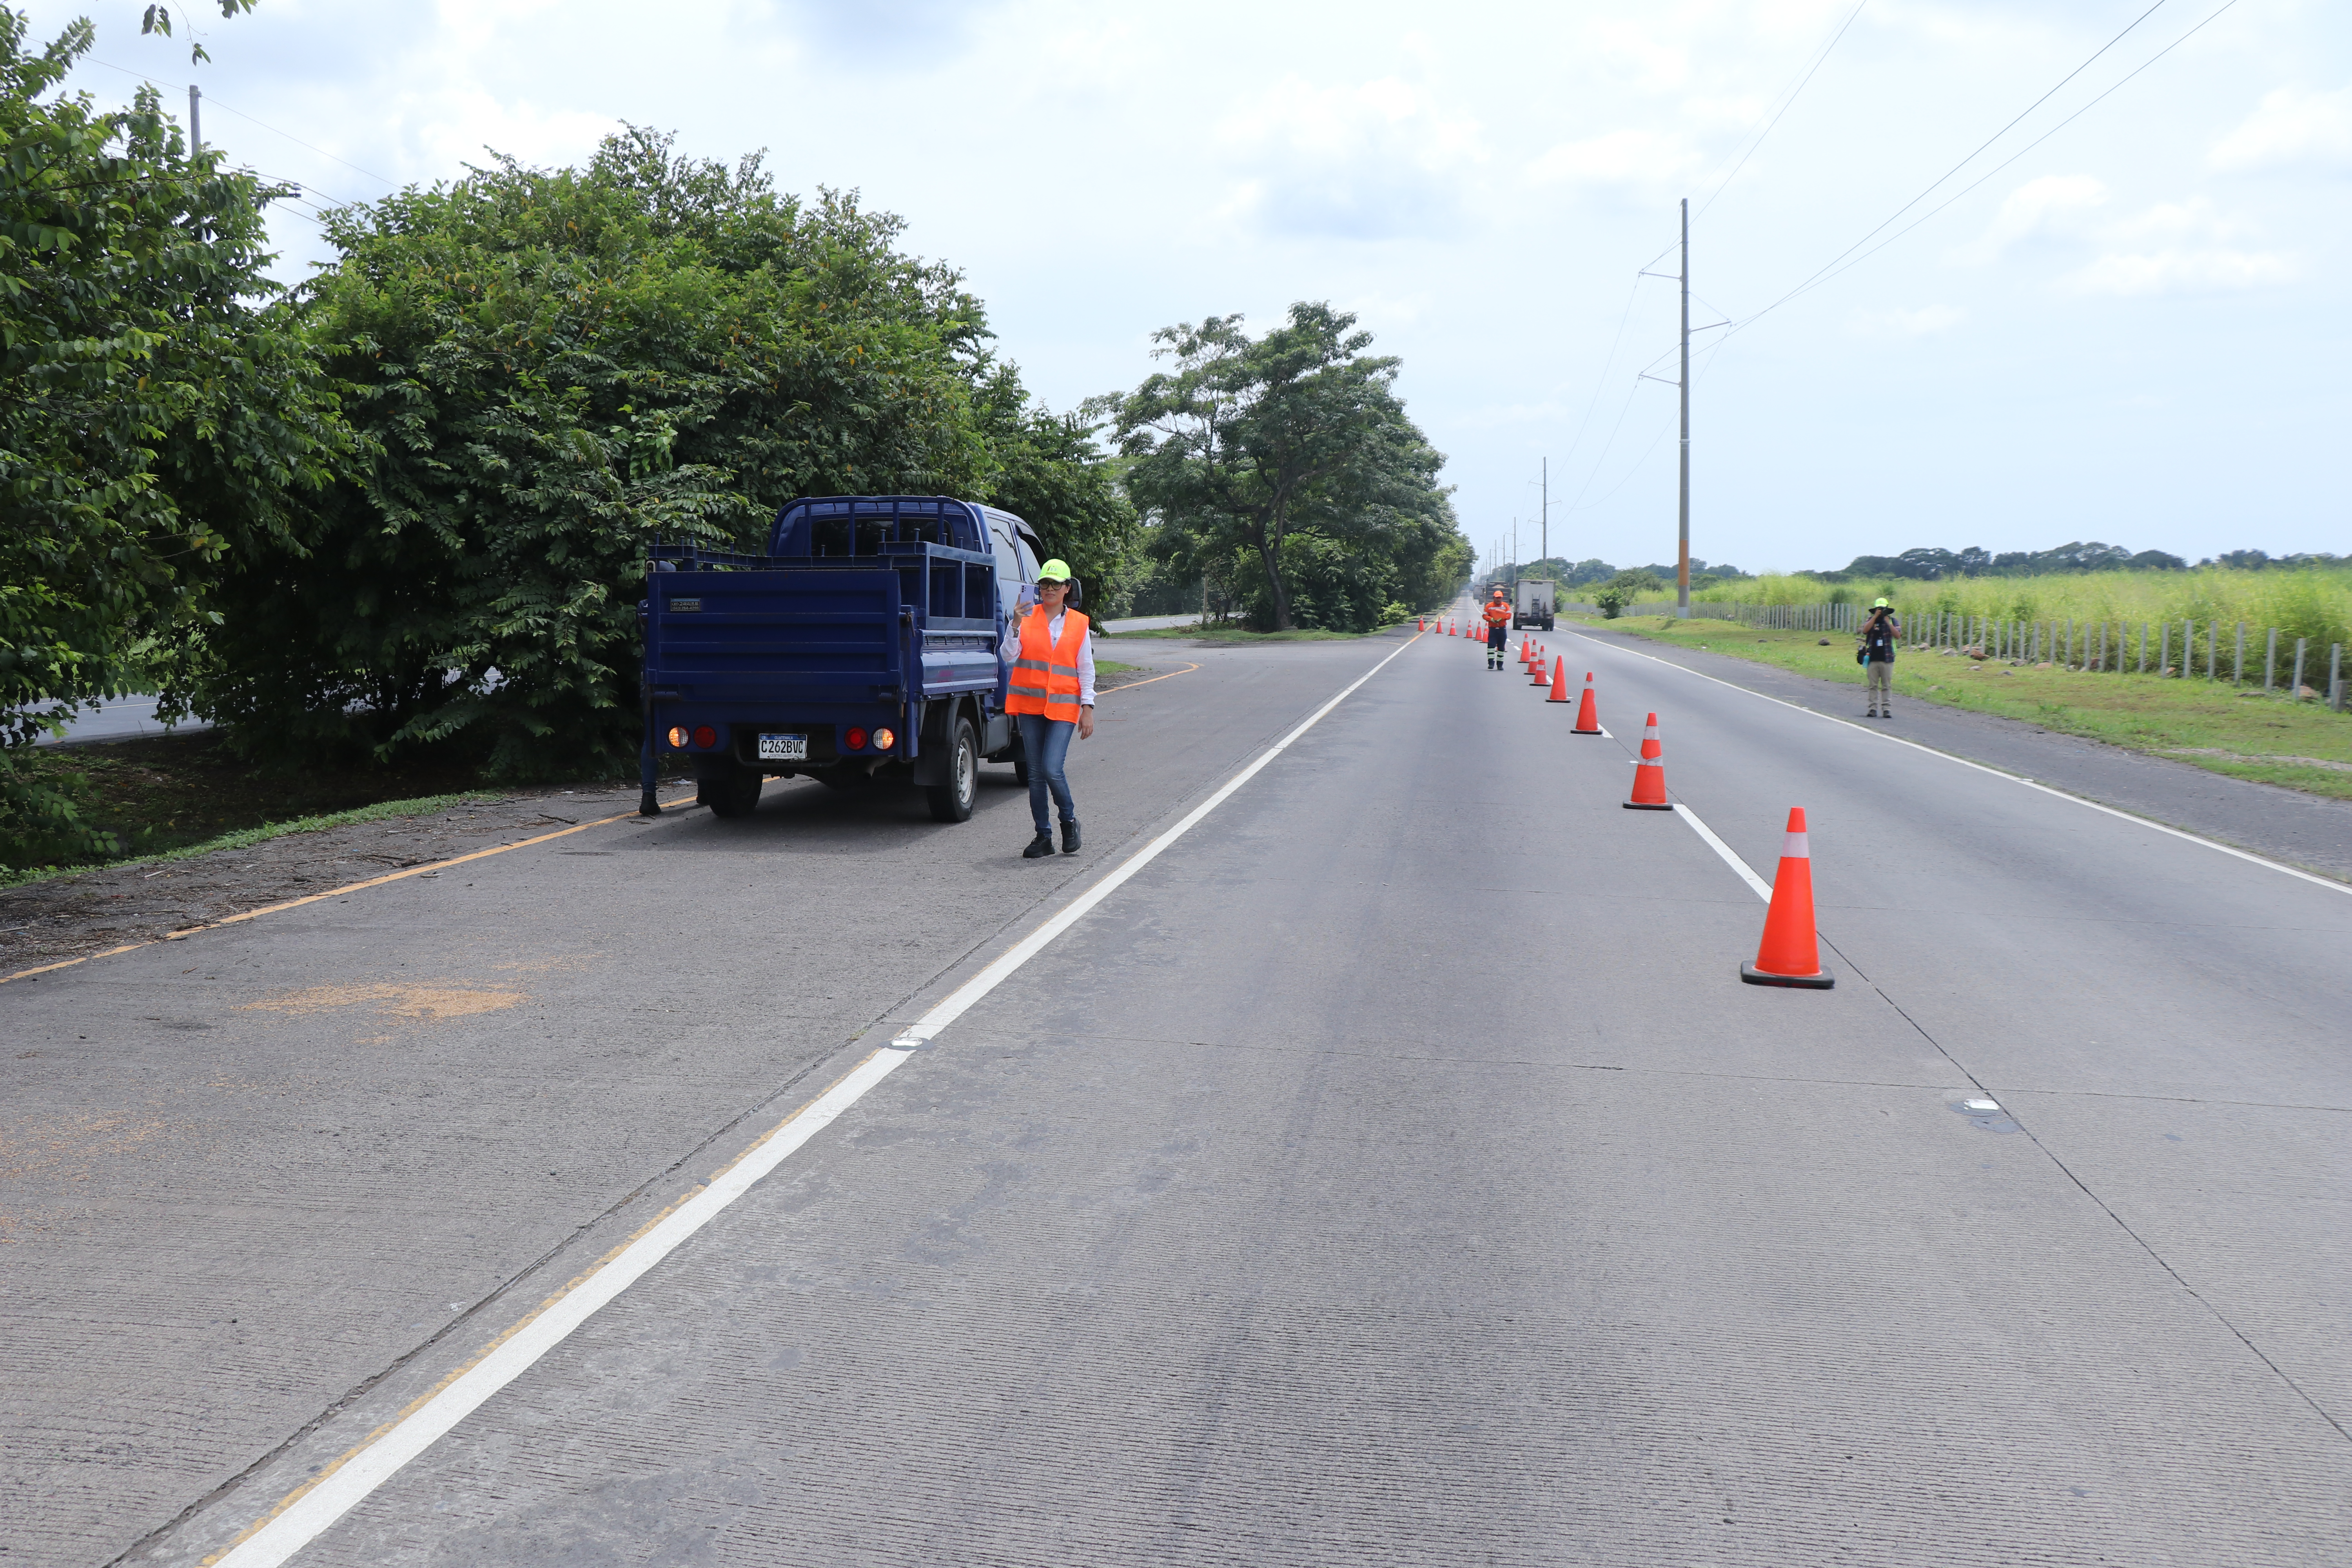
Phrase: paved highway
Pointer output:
(1391, 1170)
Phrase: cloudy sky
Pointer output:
(2134, 332)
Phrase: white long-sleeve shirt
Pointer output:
(1010, 650)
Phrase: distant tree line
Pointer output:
(1974, 562)
(1639, 581)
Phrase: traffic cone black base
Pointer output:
(1755, 976)
(1644, 805)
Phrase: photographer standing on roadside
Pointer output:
(1878, 635)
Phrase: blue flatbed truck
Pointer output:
(863, 646)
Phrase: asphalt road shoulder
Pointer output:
(2285, 824)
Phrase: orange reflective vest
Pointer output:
(1045, 679)
(1497, 612)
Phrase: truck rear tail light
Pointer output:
(706, 737)
(678, 738)
(884, 740)
(857, 739)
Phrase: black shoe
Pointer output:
(1069, 837)
(1039, 847)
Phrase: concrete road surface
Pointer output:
(1147, 623)
(1391, 1170)
(119, 719)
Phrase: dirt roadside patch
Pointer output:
(73, 916)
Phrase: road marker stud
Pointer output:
(1588, 712)
(1791, 953)
(1650, 774)
(1558, 680)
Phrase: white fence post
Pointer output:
(2270, 661)
(2295, 690)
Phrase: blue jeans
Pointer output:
(1047, 743)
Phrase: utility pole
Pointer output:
(1682, 562)
(1546, 509)
(195, 119)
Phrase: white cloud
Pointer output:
(2170, 247)
(1361, 162)
(2178, 271)
(2292, 126)
(1617, 157)
(1926, 321)
(2055, 204)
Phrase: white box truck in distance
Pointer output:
(1537, 600)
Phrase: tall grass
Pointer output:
(2308, 602)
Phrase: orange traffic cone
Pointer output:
(1588, 712)
(1791, 953)
(1536, 676)
(1559, 681)
(1650, 774)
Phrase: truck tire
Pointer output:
(734, 794)
(952, 801)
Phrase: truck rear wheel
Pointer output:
(735, 793)
(952, 801)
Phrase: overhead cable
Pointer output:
(1788, 102)
(1831, 266)
(1825, 276)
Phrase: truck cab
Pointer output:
(862, 645)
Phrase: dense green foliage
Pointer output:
(557, 367)
(158, 418)
(1283, 471)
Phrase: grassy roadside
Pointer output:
(2224, 728)
(423, 805)
(177, 796)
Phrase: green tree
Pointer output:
(1251, 444)
(160, 416)
(556, 368)
(1051, 474)
(157, 19)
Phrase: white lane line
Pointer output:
(2247, 856)
(300, 1519)
(1763, 889)
(988, 979)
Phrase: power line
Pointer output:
(1823, 278)
(1832, 264)
(217, 103)
(1788, 102)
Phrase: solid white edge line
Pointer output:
(308, 1514)
(2246, 855)
(989, 978)
(1763, 889)
(300, 1522)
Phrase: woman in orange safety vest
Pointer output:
(1498, 627)
(1050, 696)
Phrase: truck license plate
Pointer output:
(783, 748)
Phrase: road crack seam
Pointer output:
(2025, 1125)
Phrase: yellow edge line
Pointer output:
(331, 893)
(569, 1285)
(1131, 684)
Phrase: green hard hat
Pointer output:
(1054, 571)
(1878, 605)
